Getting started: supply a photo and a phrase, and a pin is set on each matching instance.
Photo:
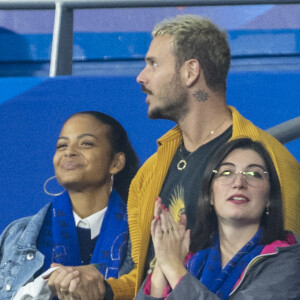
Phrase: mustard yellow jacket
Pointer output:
(147, 184)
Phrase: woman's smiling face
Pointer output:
(83, 153)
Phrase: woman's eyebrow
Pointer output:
(256, 165)
(79, 137)
(248, 166)
(227, 163)
(86, 134)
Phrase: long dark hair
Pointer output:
(207, 223)
(119, 141)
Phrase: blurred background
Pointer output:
(101, 53)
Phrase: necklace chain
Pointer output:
(181, 165)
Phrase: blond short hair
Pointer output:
(198, 38)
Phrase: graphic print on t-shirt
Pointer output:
(176, 204)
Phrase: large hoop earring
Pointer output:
(48, 193)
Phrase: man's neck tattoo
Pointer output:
(200, 96)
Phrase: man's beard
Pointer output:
(173, 99)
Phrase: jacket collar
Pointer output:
(291, 239)
(29, 237)
(171, 135)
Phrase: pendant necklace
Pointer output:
(181, 165)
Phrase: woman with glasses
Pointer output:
(238, 248)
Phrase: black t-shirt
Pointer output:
(181, 189)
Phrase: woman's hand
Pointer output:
(171, 243)
(74, 283)
(158, 282)
(63, 282)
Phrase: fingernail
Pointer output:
(163, 206)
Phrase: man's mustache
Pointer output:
(146, 91)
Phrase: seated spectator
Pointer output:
(85, 225)
(239, 249)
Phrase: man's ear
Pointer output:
(192, 70)
(118, 163)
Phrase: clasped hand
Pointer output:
(77, 283)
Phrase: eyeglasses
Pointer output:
(254, 176)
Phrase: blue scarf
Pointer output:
(206, 266)
(58, 239)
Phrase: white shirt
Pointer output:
(93, 222)
(39, 289)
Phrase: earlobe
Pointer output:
(192, 68)
(118, 163)
(267, 208)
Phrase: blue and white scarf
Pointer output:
(58, 239)
(206, 266)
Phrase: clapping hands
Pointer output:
(171, 242)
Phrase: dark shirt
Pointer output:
(87, 246)
(182, 188)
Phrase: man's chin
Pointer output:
(156, 114)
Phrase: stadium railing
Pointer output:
(62, 41)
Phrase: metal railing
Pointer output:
(287, 131)
(62, 40)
